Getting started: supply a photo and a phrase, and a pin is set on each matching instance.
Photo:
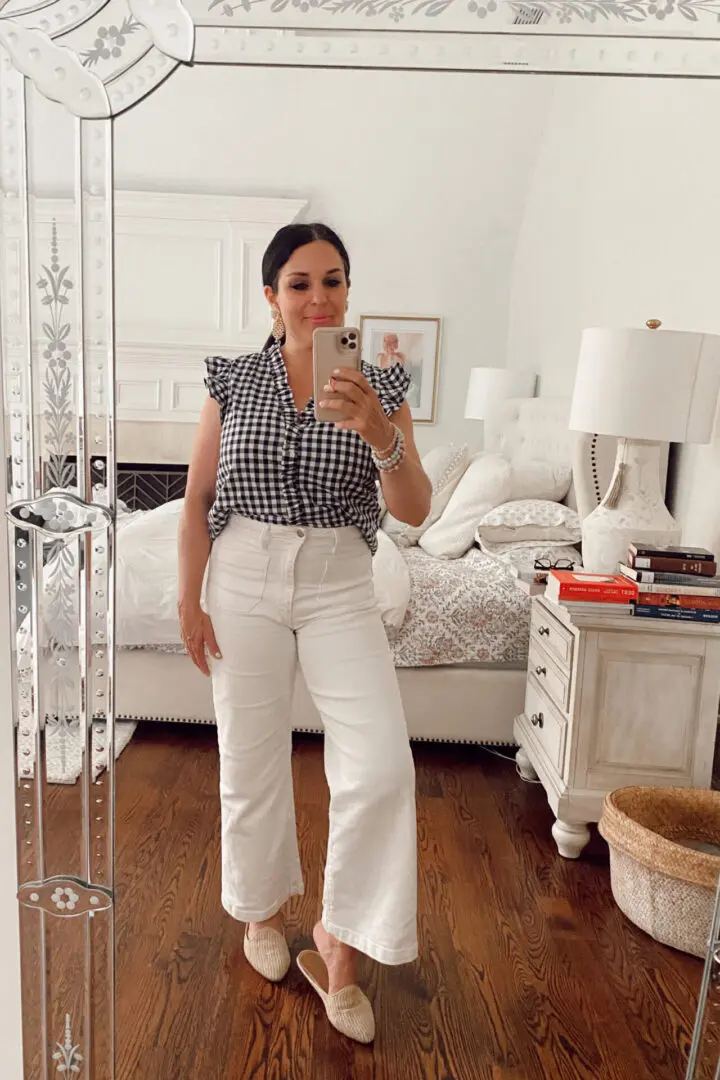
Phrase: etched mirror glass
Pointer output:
(132, 240)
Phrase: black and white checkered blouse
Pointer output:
(284, 467)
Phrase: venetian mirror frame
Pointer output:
(97, 58)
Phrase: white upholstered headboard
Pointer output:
(537, 429)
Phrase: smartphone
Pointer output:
(333, 347)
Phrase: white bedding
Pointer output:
(436, 611)
(146, 582)
(462, 611)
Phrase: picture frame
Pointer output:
(416, 344)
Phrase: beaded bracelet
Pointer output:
(391, 459)
(383, 455)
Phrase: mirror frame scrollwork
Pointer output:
(96, 59)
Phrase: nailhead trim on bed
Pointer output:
(311, 731)
(135, 717)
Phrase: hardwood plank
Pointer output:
(661, 1022)
(542, 986)
(527, 968)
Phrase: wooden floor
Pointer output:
(526, 970)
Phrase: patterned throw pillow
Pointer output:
(530, 520)
(524, 554)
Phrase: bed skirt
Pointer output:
(464, 703)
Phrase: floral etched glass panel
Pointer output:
(57, 228)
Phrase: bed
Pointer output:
(461, 649)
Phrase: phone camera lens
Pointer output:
(353, 345)
(344, 340)
(353, 337)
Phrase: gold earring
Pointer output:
(278, 326)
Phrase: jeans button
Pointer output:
(301, 532)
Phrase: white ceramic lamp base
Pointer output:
(637, 513)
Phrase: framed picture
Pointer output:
(413, 342)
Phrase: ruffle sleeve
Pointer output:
(390, 384)
(217, 379)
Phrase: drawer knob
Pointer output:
(540, 670)
(544, 631)
(537, 719)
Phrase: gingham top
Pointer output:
(284, 467)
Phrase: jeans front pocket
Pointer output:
(237, 578)
(346, 581)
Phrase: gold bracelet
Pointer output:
(382, 454)
(395, 458)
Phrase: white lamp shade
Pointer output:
(489, 386)
(660, 385)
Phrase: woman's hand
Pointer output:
(360, 408)
(198, 636)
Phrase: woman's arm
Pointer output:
(407, 490)
(194, 538)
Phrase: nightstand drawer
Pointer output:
(554, 681)
(548, 726)
(552, 635)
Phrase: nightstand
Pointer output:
(614, 700)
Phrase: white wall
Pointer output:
(422, 174)
(519, 209)
(622, 224)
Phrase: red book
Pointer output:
(679, 600)
(590, 588)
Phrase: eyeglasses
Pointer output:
(558, 564)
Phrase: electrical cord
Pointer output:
(507, 757)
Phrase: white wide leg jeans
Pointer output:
(279, 596)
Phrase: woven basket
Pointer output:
(660, 882)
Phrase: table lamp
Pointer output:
(489, 386)
(647, 387)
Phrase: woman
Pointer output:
(286, 510)
(391, 355)
(391, 352)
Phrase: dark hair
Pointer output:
(286, 242)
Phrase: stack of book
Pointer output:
(591, 594)
(674, 583)
(532, 582)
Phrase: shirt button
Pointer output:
(301, 532)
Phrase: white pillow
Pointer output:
(391, 581)
(485, 484)
(381, 500)
(530, 519)
(540, 480)
(444, 466)
(147, 577)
